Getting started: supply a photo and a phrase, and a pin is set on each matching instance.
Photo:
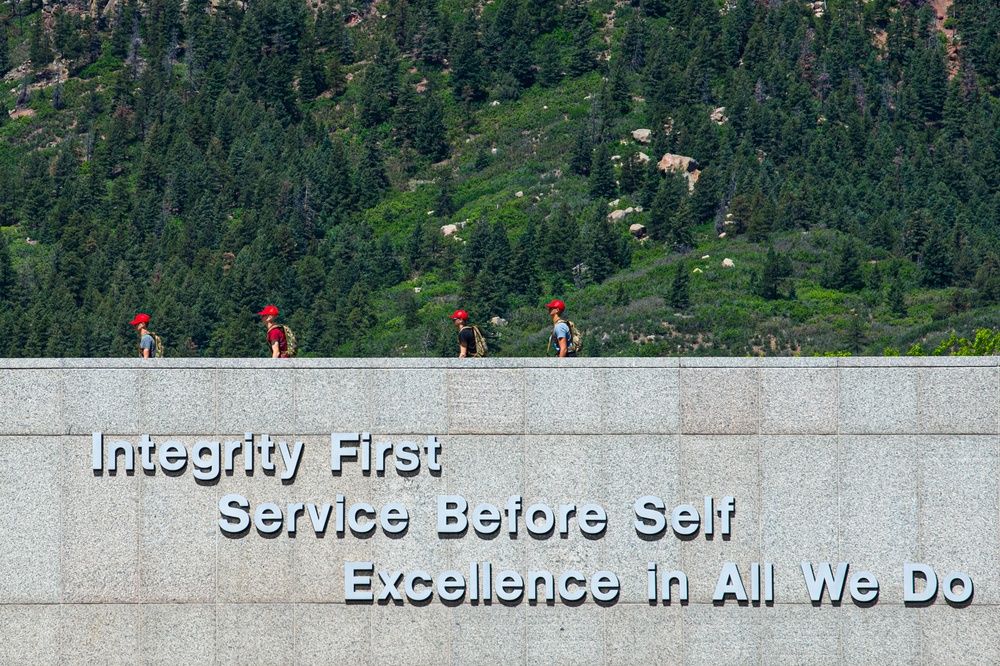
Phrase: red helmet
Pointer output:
(139, 319)
(460, 314)
(559, 305)
(269, 310)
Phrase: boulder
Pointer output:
(498, 321)
(642, 135)
(727, 263)
(638, 230)
(617, 215)
(643, 158)
(449, 229)
(519, 194)
(683, 164)
(719, 115)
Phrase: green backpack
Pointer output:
(576, 340)
(158, 345)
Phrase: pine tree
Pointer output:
(843, 271)
(895, 294)
(4, 52)
(582, 156)
(466, 60)
(372, 178)
(380, 85)
(523, 270)
(777, 267)
(549, 62)
(987, 280)
(405, 117)
(935, 261)
(602, 174)
(39, 45)
(581, 58)
(680, 288)
(664, 207)
(680, 236)
(600, 247)
(429, 138)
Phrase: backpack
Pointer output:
(291, 345)
(576, 340)
(481, 349)
(157, 345)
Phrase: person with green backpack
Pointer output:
(150, 345)
(471, 343)
(280, 339)
(565, 339)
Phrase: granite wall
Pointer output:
(874, 462)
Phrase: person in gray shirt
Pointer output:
(562, 335)
(147, 340)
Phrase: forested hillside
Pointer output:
(692, 176)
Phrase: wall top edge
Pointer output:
(492, 364)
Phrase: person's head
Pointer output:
(555, 308)
(140, 323)
(269, 315)
(460, 318)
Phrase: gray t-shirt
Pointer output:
(147, 342)
(561, 330)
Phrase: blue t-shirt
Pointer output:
(149, 343)
(561, 330)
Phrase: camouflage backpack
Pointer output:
(575, 339)
(157, 345)
(481, 349)
(291, 344)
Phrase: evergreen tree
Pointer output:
(843, 270)
(380, 85)
(582, 156)
(466, 60)
(581, 57)
(935, 261)
(549, 61)
(4, 51)
(600, 247)
(523, 269)
(429, 138)
(372, 178)
(662, 211)
(987, 280)
(777, 267)
(895, 294)
(602, 174)
(680, 235)
(39, 45)
(680, 288)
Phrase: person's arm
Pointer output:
(563, 347)
(145, 353)
(275, 349)
(463, 350)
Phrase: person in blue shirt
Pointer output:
(562, 337)
(147, 343)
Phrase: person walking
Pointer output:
(564, 339)
(149, 343)
(277, 341)
(470, 341)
